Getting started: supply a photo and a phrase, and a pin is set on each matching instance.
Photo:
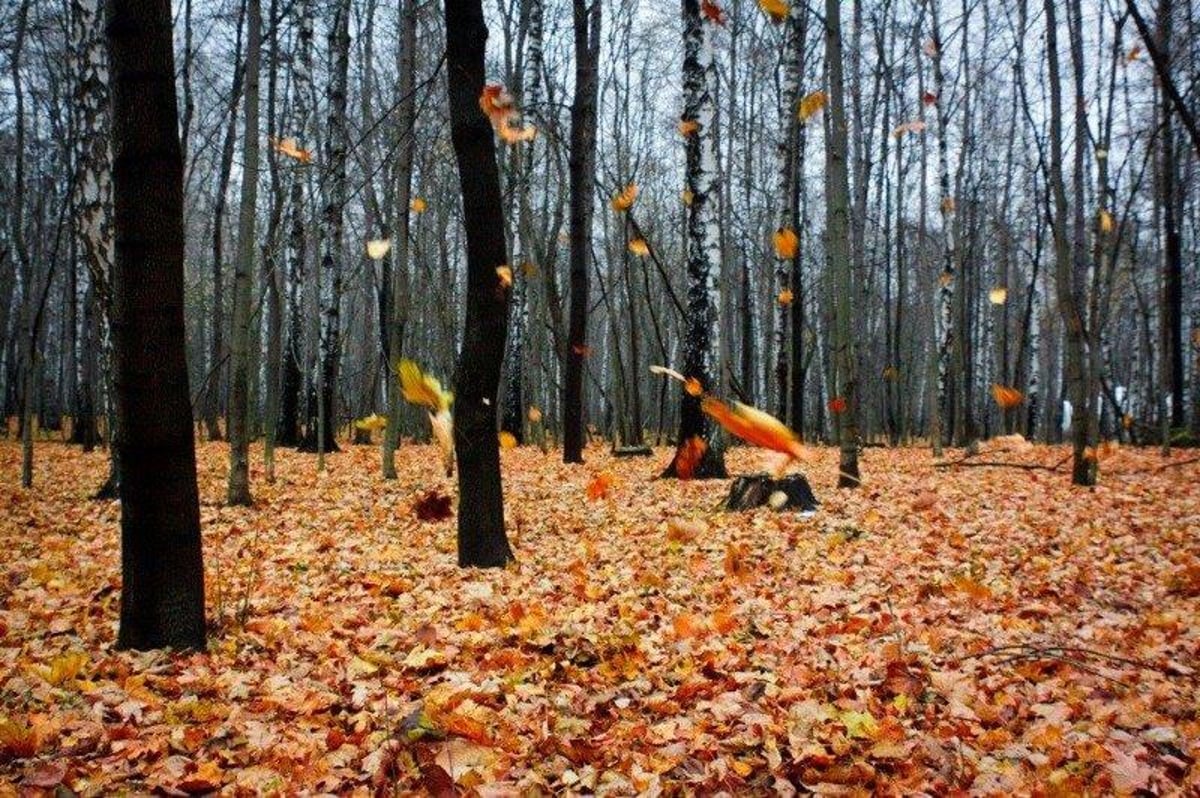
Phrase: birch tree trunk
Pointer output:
(703, 243)
(319, 434)
(287, 430)
(238, 488)
(787, 177)
(944, 318)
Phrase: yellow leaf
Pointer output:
(787, 243)
(777, 10)
(291, 149)
(528, 269)
(639, 247)
(1106, 222)
(422, 389)
(371, 423)
(998, 295)
(534, 414)
(812, 104)
(505, 275)
(418, 205)
(507, 439)
(786, 297)
(623, 199)
(378, 248)
(860, 724)
(687, 196)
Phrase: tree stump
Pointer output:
(755, 490)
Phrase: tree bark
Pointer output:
(162, 593)
(238, 489)
(482, 541)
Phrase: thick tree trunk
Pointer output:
(481, 538)
(703, 243)
(583, 184)
(239, 388)
(162, 592)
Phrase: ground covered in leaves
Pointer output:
(982, 629)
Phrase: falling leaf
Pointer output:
(378, 248)
(507, 439)
(998, 295)
(534, 415)
(947, 206)
(786, 242)
(812, 104)
(418, 205)
(639, 247)
(754, 426)
(786, 297)
(1106, 222)
(505, 275)
(1006, 397)
(693, 387)
(913, 126)
(689, 455)
(1134, 54)
(687, 196)
(291, 149)
(432, 506)
(599, 486)
(583, 350)
(890, 373)
(528, 269)
(777, 10)
(371, 423)
(929, 98)
(623, 200)
(945, 278)
(422, 389)
(501, 111)
(713, 12)
(687, 127)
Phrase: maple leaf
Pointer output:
(786, 297)
(754, 426)
(713, 12)
(837, 405)
(929, 98)
(998, 295)
(639, 247)
(422, 389)
(507, 439)
(689, 455)
(812, 104)
(432, 506)
(291, 149)
(500, 108)
(623, 200)
(786, 242)
(505, 276)
(1105, 221)
(18, 739)
(1006, 397)
(777, 10)
(371, 423)
(599, 486)
(418, 205)
(377, 249)
(913, 126)
(534, 415)
(687, 127)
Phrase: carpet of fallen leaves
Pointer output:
(963, 629)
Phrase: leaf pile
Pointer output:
(991, 630)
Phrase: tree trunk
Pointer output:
(239, 388)
(398, 306)
(703, 243)
(837, 214)
(322, 424)
(162, 592)
(583, 183)
(482, 541)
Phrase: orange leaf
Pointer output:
(688, 126)
(639, 247)
(777, 10)
(505, 275)
(507, 439)
(1007, 398)
(713, 12)
(688, 625)
(753, 426)
(623, 199)
(786, 297)
(812, 104)
(693, 387)
(787, 243)
(690, 453)
(598, 488)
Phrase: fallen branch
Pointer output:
(966, 462)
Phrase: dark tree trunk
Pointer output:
(583, 183)
(162, 595)
(482, 541)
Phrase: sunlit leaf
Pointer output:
(812, 104)
(623, 200)
(786, 242)
(998, 295)
(639, 247)
(378, 248)
(777, 10)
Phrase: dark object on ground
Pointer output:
(432, 506)
(755, 490)
(632, 451)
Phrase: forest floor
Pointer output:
(983, 629)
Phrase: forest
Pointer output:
(573, 397)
